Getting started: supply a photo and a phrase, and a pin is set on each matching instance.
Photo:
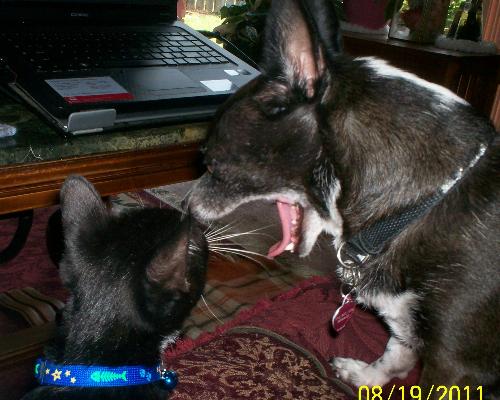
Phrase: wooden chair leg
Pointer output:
(40, 312)
(25, 221)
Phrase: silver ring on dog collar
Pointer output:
(350, 273)
(346, 264)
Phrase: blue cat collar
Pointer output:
(51, 374)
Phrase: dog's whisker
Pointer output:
(220, 230)
(237, 234)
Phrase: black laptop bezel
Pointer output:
(86, 11)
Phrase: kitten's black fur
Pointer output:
(133, 278)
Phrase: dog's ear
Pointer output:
(300, 37)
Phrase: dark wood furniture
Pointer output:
(34, 185)
(474, 77)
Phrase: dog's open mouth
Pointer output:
(291, 215)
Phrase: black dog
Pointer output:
(133, 279)
(402, 172)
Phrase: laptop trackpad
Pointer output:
(160, 83)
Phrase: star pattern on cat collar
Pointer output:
(71, 375)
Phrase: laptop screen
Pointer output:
(90, 10)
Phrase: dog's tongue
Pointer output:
(290, 216)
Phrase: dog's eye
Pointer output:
(211, 165)
(274, 111)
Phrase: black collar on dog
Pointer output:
(373, 240)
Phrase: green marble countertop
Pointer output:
(36, 141)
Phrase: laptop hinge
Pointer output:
(91, 121)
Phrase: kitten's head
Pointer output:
(133, 276)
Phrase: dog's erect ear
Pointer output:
(80, 202)
(325, 23)
(301, 36)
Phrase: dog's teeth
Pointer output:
(290, 246)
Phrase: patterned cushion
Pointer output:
(252, 363)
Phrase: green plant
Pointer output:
(397, 5)
(243, 25)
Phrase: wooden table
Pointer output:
(36, 160)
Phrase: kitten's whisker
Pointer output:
(230, 244)
(210, 310)
(222, 247)
(239, 252)
(227, 254)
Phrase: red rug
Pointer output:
(302, 315)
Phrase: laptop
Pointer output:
(96, 65)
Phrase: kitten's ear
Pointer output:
(168, 267)
(301, 36)
(80, 202)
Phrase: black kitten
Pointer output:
(133, 279)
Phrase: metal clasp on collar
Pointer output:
(350, 266)
(170, 378)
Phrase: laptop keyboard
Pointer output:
(67, 51)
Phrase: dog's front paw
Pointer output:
(358, 372)
(349, 370)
